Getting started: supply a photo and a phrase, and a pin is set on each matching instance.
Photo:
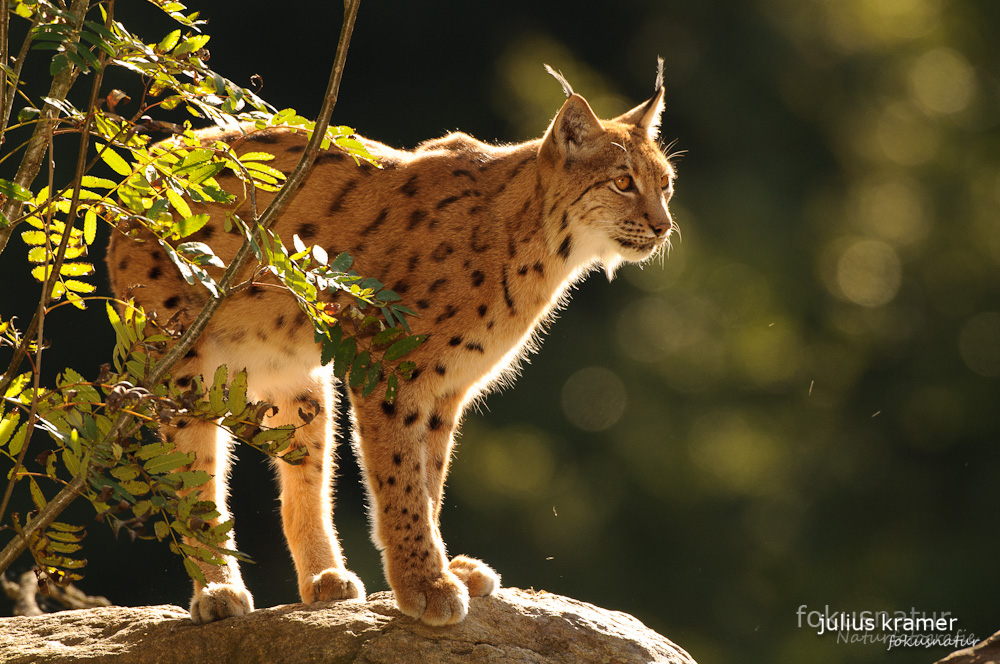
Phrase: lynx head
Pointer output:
(608, 180)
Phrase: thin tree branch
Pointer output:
(68, 493)
(32, 161)
(279, 202)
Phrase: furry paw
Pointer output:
(220, 600)
(477, 575)
(443, 600)
(331, 585)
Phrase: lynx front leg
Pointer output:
(225, 595)
(479, 577)
(306, 502)
(405, 473)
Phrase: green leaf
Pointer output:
(342, 263)
(161, 465)
(404, 346)
(386, 336)
(37, 496)
(161, 529)
(344, 357)
(359, 368)
(372, 379)
(17, 442)
(194, 572)
(14, 190)
(216, 394)
(392, 385)
(191, 224)
(168, 43)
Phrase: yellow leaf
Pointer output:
(76, 269)
(114, 160)
(90, 226)
(80, 286)
(178, 202)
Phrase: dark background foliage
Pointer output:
(799, 407)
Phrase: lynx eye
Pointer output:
(623, 182)
(665, 182)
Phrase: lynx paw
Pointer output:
(477, 575)
(331, 585)
(440, 601)
(220, 600)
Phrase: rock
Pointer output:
(514, 626)
(984, 652)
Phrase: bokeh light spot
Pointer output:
(979, 344)
(593, 399)
(869, 273)
(942, 81)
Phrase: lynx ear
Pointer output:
(574, 124)
(647, 115)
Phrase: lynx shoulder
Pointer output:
(483, 242)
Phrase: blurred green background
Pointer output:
(798, 407)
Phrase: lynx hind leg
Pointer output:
(306, 501)
(404, 471)
(225, 595)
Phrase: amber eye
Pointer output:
(623, 182)
(665, 182)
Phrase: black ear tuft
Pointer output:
(567, 88)
(659, 74)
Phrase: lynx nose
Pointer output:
(662, 225)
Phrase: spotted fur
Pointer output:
(483, 241)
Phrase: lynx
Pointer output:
(483, 241)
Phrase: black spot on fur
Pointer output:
(388, 408)
(410, 186)
(410, 418)
(306, 231)
(477, 347)
(279, 322)
(379, 220)
(506, 291)
(523, 270)
(172, 302)
(538, 267)
(434, 423)
(330, 156)
(265, 137)
(397, 459)
(445, 202)
(437, 284)
(423, 304)
(449, 312)
(414, 262)
(442, 251)
(184, 381)
(180, 424)
(477, 278)
(440, 370)
(461, 172)
(454, 341)
(401, 288)
(565, 247)
(155, 272)
(337, 204)
(416, 218)
(482, 310)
